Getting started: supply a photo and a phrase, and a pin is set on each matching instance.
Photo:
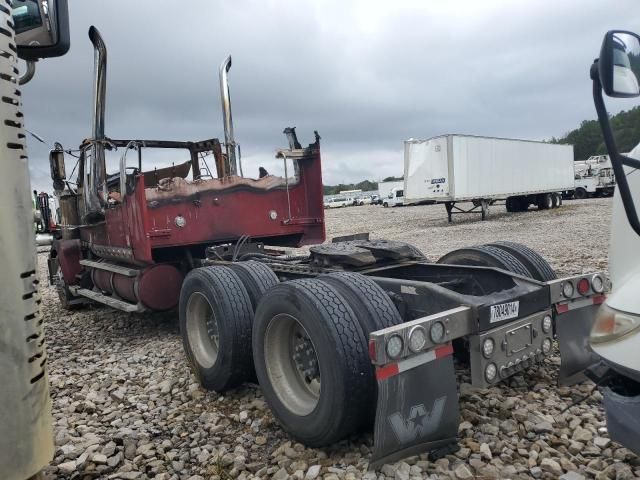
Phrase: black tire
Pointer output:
(512, 204)
(373, 309)
(341, 352)
(372, 306)
(535, 263)
(486, 256)
(545, 201)
(580, 194)
(522, 204)
(256, 277)
(385, 205)
(555, 200)
(229, 304)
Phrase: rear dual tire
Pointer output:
(511, 256)
(319, 398)
(215, 324)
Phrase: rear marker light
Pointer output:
(546, 324)
(394, 346)
(597, 284)
(436, 332)
(546, 346)
(490, 372)
(417, 339)
(567, 289)
(583, 286)
(488, 346)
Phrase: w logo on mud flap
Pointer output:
(419, 423)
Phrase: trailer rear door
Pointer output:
(426, 170)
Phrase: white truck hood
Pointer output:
(624, 269)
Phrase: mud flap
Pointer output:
(417, 408)
(573, 328)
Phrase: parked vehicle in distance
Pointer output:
(450, 169)
(338, 202)
(366, 200)
(395, 198)
(384, 189)
(594, 177)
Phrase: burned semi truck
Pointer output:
(354, 333)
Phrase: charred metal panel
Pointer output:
(69, 255)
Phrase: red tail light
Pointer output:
(583, 286)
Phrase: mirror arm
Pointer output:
(617, 160)
(28, 75)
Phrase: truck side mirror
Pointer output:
(56, 166)
(619, 64)
(617, 74)
(42, 28)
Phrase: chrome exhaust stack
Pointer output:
(96, 196)
(227, 119)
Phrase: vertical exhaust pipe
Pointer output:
(96, 197)
(229, 139)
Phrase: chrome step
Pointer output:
(127, 272)
(107, 300)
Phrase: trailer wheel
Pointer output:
(532, 260)
(256, 277)
(311, 361)
(544, 201)
(580, 194)
(215, 325)
(486, 256)
(555, 200)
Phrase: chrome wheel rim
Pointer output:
(202, 330)
(292, 364)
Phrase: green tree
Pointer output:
(587, 139)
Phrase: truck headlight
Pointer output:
(546, 324)
(488, 346)
(490, 372)
(417, 339)
(611, 324)
(394, 346)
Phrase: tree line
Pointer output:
(587, 138)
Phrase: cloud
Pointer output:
(365, 74)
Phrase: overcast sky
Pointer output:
(365, 74)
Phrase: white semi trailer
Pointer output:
(452, 169)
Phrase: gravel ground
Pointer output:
(125, 404)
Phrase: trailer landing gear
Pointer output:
(481, 205)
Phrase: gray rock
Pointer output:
(281, 474)
(551, 466)
(313, 472)
(462, 472)
(582, 435)
(543, 427)
(572, 476)
(67, 467)
(486, 451)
